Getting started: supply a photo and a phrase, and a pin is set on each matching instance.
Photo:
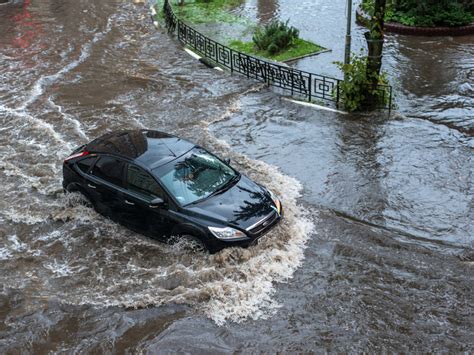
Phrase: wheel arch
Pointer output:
(188, 228)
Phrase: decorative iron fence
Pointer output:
(299, 84)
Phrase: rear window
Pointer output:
(85, 164)
(110, 169)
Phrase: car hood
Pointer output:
(243, 205)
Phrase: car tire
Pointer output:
(83, 199)
(194, 243)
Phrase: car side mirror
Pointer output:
(227, 161)
(157, 202)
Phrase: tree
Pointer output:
(375, 37)
(360, 89)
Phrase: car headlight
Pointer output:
(276, 201)
(227, 233)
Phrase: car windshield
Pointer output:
(195, 176)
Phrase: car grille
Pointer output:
(264, 225)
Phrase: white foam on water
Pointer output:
(16, 245)
(10, 169)
(75, 123)
(5, 128)
(54, 235)
(24, 216)
(5, 254)
(36, 123)
(62, 268)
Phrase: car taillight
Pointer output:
(77, 155)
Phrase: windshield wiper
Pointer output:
(226, 186)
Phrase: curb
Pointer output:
(316, 106)
(306, 56)
(363, 19)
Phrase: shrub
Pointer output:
(275, 37)
(356, 93)
(428, 13)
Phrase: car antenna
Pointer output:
(166, 145)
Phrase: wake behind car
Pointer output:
(163, 186)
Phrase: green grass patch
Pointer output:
(201, 12)
(298, 49)
(219, 11)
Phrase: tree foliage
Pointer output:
(357, 92)
(427, 13)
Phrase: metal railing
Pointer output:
(299, 84)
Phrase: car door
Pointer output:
(141, 189)
(104, 183)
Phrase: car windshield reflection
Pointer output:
(195, 176)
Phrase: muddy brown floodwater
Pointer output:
(376, 251)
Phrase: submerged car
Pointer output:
(164, 186)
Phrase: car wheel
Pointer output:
(77, 197)
(192, 243)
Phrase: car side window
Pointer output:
(110, 169)
(142, 183)
(85, 164)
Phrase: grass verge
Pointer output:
(299, 49)
(200, 12)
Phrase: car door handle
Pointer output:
(92, 186)
(129, 203)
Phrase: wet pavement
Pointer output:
(376, 252)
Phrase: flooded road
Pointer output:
(376, 252)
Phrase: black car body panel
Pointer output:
(254, 204)
(118, 174)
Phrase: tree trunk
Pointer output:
(374, 39)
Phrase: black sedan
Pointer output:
(163, 186)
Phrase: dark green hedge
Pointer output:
(427, 13)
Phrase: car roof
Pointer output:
(147, 147)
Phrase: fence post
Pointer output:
(178, 25)
(292, 83)
(248, 66)
(310, 86)
(267, 73)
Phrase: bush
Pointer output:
(427, 13)
(275, 37)
(356, 92)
